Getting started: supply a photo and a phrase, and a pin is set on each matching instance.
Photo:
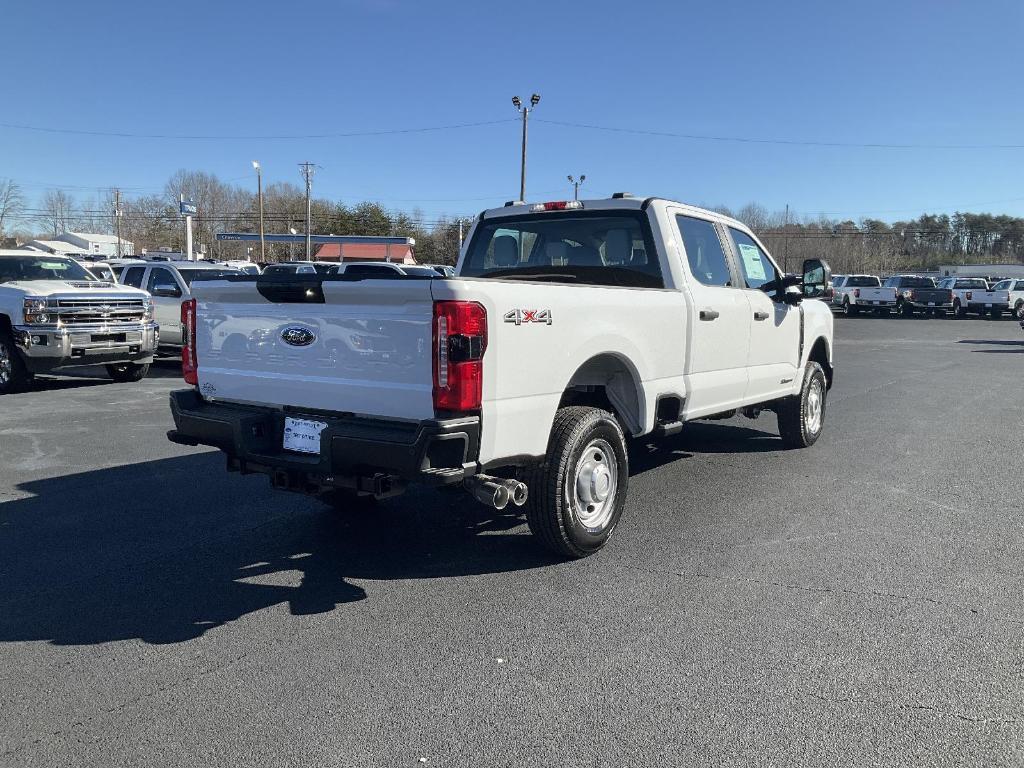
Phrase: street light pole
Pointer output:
(307, 174)
(525, 112)
(259, 194)
(576, 185)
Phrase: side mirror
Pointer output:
(817, 277)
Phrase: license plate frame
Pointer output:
(302, 435)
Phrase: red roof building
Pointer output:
(399, 254)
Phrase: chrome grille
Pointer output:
(108, 311)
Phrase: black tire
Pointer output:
(126, 372)
(1018, 309)
(796, 418)
(849, 309)
(13, 376)
(958, 310)
(554, 508)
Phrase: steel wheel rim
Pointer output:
(815, 406)
(6, 367)
(593, 484)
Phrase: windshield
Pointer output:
(42, 268)
(603, 248)
(419, 271)
(863, 282)
(189, 275)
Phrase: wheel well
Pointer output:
(607, 381)
(819, 354)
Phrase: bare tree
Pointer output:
(12, 202)
(57, 206)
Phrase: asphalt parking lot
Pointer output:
(855, 603)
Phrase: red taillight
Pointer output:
(557, 205)
(856, 293)
(460, 338)
(189, 363)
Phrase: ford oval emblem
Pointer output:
(297, 336)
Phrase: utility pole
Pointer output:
(785, 242)
(460, 234)
(576, 185)
(307, 174)
(259, 194)
(525, 112)
(117, 219)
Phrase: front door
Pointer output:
(775, 330)
(163, 286)
(718, 327)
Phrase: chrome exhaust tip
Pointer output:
(489, 490)
(518, 491)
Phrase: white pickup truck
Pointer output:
(54, 314)
(567, 327)
(848, 290)
(972, 294)
(1015, 289)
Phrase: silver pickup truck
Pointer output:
(55, 314)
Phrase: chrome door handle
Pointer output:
(708, 314)
(760, 315)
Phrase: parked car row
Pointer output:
(907, 295)
(58, 312)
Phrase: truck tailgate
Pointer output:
(361, 347)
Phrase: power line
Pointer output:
(244, 137)
(784, 142)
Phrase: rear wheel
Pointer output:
(848, 308)
(802, 417)
(958, 309)
(577, 495)
(13, 375)
(125, 372)
(1018, 308)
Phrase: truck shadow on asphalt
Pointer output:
(164, 551)
(1007, 347)
(75, 378)
(705, 437)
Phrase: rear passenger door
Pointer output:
(167, 292)
(774, 357)
(719, 327)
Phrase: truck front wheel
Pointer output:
(578, 493)
(802, 417)
(13, 375)
(125, 372)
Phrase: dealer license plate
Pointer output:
(302, 435)
(988, 306)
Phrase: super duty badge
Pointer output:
(521, 316)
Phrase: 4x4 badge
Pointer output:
(520, 316)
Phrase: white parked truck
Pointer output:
(847, 292)
(972, 294)
(568, 327)
(1015, 289)
(55, 314)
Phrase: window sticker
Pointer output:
(752, 263)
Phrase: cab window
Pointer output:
(704, 251)
(755, 265)
(162, 283)
(133, 276)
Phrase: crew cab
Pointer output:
(54, 314)
(972, 294)
(169, 283)
(919, 294)
(1015, 289)
(847, 291)
(568, 327)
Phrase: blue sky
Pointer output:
(875, 72)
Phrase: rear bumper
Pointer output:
(1002, 306)
(370, 455)
(926, 305)
(46, 348)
